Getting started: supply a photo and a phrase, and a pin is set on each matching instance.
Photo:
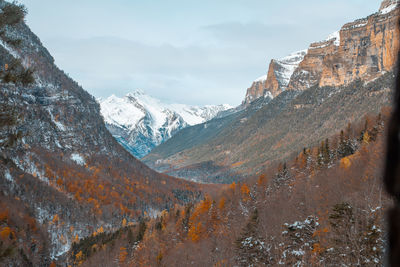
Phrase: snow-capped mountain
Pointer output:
(140, 122)
(277, 78)
(286, 67)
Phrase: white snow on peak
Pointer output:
(261, 79)
(127, 111)
(142, 122)
(389, 8)
(334, 36)
(120, 111)
(288, 65)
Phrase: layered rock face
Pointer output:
(364, 49)
(277, 79)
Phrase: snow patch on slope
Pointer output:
(288, 65)
(390, 8)
(78, 159)
(334, 36)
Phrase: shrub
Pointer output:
(12, 13)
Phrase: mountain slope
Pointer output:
(140, 122)
(304, 213)
(70, 175)
(312, 107)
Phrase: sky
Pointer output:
(182, 51)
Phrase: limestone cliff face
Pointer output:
(256, 90)
(364, 49)
(277, 78)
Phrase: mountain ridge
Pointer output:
(141, 122)
(334, 61)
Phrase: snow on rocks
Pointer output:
(335, 36)
(288, 65)
(389, 8)
(77, 158)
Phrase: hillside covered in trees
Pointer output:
(62, 175)
(323, 207)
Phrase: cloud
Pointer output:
(197, 53)
(106, 65)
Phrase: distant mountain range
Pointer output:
(141, 122)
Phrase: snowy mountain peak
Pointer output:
(140, 122)
(287, 66)
(277, 78)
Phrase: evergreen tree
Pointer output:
(141, 231)
(345, 148)
(10, 122)
(320, 158)
(251, 248)
(327, 152)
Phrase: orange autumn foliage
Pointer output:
(122, 254)
(345, 163)
(221, 204)
(245, 192)
(3, 215)
(6, 232)
(262, 179)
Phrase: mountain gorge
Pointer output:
(349, 73)
(291, 177)
(140, 122)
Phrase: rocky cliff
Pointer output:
(277, 79)
(364, 49)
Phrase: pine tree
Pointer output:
(345, 148)
(10, 121)
(251, 248)
(327, 152)
(141, 231)
(320, 158)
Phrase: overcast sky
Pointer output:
(181, 51)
